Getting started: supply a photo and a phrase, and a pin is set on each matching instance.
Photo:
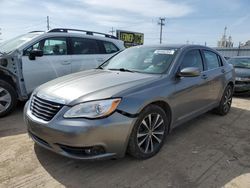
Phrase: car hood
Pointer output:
(242, 72)
(91, 85)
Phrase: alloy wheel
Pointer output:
(150, 133)
(5, 99)
(227, 100)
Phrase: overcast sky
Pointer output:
(196, 21)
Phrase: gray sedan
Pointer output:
(130, 103)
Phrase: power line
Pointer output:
(161, 23)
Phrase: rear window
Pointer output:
(211, 59)
(84, 46)
(110, 47)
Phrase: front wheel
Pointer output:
(226, 101)
(149, 132)
(8, 98)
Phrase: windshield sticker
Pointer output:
(168, 52)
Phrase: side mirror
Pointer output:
(189, 72)
(35, 53)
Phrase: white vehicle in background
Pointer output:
(34, 58)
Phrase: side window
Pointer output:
(110, 47)
(55, 46)
(211, 59)
(35, 46)
(220, 60)
(84, 46)
(192, 59)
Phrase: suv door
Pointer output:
(54, 63)
(215, 75)
(191, 92)
(90, 53)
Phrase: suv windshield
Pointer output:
(142, 59)
(240, 62)
(12, 44)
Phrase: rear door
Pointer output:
(90, 53)
(215, 75)
(191, 92)
(84, 53)
(54, 63)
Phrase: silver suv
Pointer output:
(34, 58)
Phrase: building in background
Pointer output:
(225, 42)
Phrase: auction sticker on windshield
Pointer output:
(168, 52)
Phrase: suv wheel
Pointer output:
(149, 132)
(8, 98)
(226, 101)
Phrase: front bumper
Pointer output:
(242, 87)
(77, 138)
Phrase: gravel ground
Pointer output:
(209, 151)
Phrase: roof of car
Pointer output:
(178, 46)
(76, 33)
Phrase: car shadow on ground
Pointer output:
(13, 123)
(209, 150)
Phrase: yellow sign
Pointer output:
(130, 38)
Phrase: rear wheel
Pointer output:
(149, 132)
(8, 98)
(226, 101)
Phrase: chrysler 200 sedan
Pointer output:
(130, 103)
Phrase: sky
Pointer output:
(195, 21)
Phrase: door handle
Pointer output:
(204, 76)
(65, 63)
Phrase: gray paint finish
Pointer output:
(187, 97)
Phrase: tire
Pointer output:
(226, 101)
(8, 98)
(144, 142)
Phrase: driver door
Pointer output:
(191, 92)
(54, 63)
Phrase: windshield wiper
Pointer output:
(240, 66)
(121, 69)
(100, 67)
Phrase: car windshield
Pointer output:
(142, 59)
(10, 45)
(240, 62)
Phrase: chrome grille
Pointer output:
(44, 109)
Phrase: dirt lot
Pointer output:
(209, 151)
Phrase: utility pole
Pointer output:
(161, 23)
(112, 31)
(48, 26)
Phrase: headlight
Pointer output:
(93, 109)
(238, 78)
(242, 79)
